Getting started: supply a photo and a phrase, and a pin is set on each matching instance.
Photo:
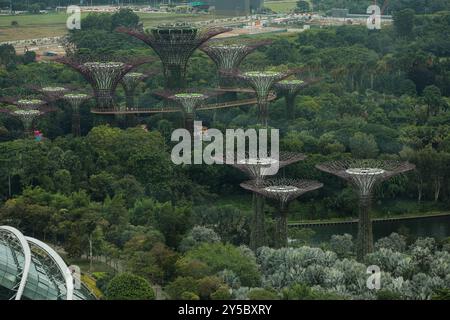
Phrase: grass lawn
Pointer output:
(54, 24)
(282, 6)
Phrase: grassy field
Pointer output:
(282, 6)
(54, 24)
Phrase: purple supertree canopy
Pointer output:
(228, 56)
(53, 92)
(258, 168)
(283, 190)
(364, 174)
(104, 76)
(262, 82)
(175, 44)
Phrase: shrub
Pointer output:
(189, 296)
(197, 236)
(208, 285)
(342, 245)
(395, 242)
(218, 256)
(180, 285)
(262, 294)
(223, 293)
(127, 286)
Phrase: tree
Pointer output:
(404, 22)
(218, 256)
(303, 6)
(127, 286)
(7, 54)
(363, 146)
(432, 97)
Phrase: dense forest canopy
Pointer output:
(383, 94)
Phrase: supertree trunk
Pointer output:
(175, 76)
(189, 121)
(263, 112)
(130, 119)
(105, 100)
(290, 106)
(76, 127)
(281, 230)
(258, 228)
(365, 232)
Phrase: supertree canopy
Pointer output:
(290, 88)
(229, 56)
(364, 175)
(189, 101)
(257, 168)
(27, 117)
(29, 104)
(76, 100)
(53, 93)
(175, 44)
(262, 82)
(104, 76)
(284, 191)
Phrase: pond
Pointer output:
(436, 227)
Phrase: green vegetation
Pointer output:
(129, 287)
(114, 191)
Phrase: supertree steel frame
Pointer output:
(129, 84)
(175, 44)
(53, 93)
(189, 102)
(257, 169)
(229, 56)
(364, 175)
(28, 104)
(284, 191)
(104, 76)
(75, 100)
(290, 88)
(262, 82)
(27, 117)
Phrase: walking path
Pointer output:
(315, 223)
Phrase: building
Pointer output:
(237, 7)
(31, 270)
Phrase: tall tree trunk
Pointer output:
(365, 232)
(258, 228)
(290, 106)
(437, 188)
(76, 127)
(281, 234)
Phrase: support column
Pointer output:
(258, 228)
(76, 127)
(365, 232)
(290, 106)
(281, 230)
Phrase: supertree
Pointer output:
(75, 100)
(175, 44)
(257, 168)
(103, 76)
(189, 101)
(290, 88)
(27, 117)
(364, 175)
(129, 84)
(284, 191)
(262, 82)
(229, 56)
(25, 104)
(53, 93)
